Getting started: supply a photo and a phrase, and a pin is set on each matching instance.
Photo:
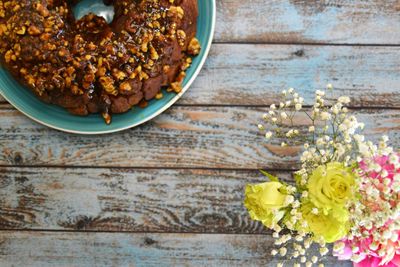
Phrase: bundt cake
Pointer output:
(90, 66)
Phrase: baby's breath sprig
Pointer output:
(330, 134)
(281, 116)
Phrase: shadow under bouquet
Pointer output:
(346, 192)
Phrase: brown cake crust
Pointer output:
(88, 66)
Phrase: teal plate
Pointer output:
(58, 118)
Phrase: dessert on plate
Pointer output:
(90, 66)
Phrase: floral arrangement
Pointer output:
(346, 192)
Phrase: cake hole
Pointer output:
(96, 7)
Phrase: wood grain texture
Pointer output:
(248, 74)
(309, 21)
(256, 74)
(104, 249)
(133, 200)
(352, 44)
(183, 137)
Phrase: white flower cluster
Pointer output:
(332, 131)
(301, 243)
(331, 135)
(283, 114)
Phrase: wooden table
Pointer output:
(170, 192)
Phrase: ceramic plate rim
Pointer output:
(152, 116)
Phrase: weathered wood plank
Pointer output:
(135, 200)
(306, 21)
(105, 249)
(255, 74)
(190, 137)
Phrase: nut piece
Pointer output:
(119, 75)
(176, 11)
(159, 96)
(125, 86)
(21, 31)
(176, 87)
(42, 10)
(108, 85)
(106, 117)
(194, 47)
(33, 30)
(153, 53)
(181, 37)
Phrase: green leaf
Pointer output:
(353, 166)
(270, 176)
(297, 178)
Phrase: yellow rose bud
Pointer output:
(331, 186)
(264, 202)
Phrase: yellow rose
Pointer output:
(329, 226)
(264, 202)
(331, 186)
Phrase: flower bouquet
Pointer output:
(346, 192)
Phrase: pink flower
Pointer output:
(368, 249)
(346, 253)
(383, 162)
(375, 261)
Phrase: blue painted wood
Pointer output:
(121, 200)
(248, 74)
(42, 249)
(183, 137)
(192, 137)
(309, 21)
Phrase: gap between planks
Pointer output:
(302, 44)
(7, 106)
(141, 168)
(24, 230)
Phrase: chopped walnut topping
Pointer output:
(34, 30)
(108, 85)
(42, 10)
(181, 37)
(176, 11)
(125, 86)
(119, 75)
(176, 87)
(107, 117)
(159, 96)
(194, 47)
(21, 31)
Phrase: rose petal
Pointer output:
(396, 260)
(368, 262)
